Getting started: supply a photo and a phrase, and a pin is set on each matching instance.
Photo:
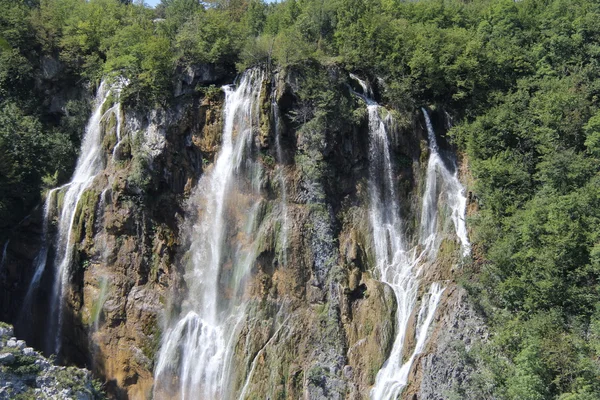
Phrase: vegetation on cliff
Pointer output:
(519, 79)
(26, 375)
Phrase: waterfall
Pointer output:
(424, 319)
(280, 175)
(397, 264)
(40, 259)
(116, 110)
(89, 164)
(4, 250)
(196, 350)
(452, 190)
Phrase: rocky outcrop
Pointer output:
(443, 371)
(192, 77)
(26, 374)
(128, 240)
(126, 237)
(319, 324)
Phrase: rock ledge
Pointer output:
(26, 374)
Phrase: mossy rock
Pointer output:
(151, 344)
(109, 127)
(85, 216)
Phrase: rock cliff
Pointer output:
(319, 323)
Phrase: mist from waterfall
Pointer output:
(195, 360)
(397, 263)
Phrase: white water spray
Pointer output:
(451, 192)
(280, 177)
(116, 111)
(196, 352)
(396, 264)
(89, 164)
(399, 265)
(392, 387)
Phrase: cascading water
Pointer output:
(196, 352)
(280, 175)
(4, 254)
(395, 263)
(399, 265)
(41, 258)
(89, 164)
(116, 111)
(451, 191)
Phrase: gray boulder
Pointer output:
(7, 358)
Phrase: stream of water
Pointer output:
(398, 264)
(196, 352)
(62, 203)
(280, 176)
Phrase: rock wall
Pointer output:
(319, 326)
(129, 241)
(442, 371)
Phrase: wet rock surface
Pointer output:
(442, 372)
(319, 325)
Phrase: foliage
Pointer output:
(519, 78)
(76, 380)
(533, 154)
(139, 179)
(28, 154)
(23, 365)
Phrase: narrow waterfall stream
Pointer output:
(196, 351)
(397, 263)
(452, 192)
(4, 251)
(41, 258)
(280, 175)
(89, 164)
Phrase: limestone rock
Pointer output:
(26, 374)
(29, 351)
(7, 358)
(319, 324)
(441, 372)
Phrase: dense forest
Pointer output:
(520, 80)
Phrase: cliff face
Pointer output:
(318, 322)
(125, 234)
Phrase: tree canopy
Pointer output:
(519, 78)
